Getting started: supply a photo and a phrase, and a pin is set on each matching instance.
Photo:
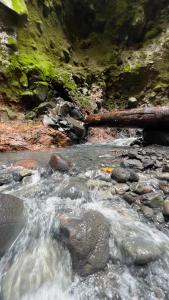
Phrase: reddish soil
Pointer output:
(19, 136)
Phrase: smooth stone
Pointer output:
(12, 220)
(164, 186)
(141, 188)
(87, 239)
(120, 175)
(141, 251)
(147, 211)
(123, 175)
(121, 188)
(153, 200)
(133, 164)
(163, 176)
(130, 197)
(165, 209)
(27, 163)
(58, 163)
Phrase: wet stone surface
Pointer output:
(113, 219)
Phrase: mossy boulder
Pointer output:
(18, 6)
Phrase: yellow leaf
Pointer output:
(106, 170)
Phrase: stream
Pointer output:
(39, 267)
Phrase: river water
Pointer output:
(37, 267)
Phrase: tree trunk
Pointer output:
(149, 118)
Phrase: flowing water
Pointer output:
(37, 267)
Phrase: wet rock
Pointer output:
(141, 188)
(130, 197)
(27, 163)
(6, 177)
(58, 163)
(165, 168)
(11, 220)
(164, 186)
(123, 175)
(121, 188)
(140, 250)
(74, 189)
(132, 164)
(148, 163)
(147, 211)
(77, 127)
(163, 176)
(88, 241)
(153, 200)
(165, 209)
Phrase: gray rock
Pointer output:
(132, 164)
(6, 177)
(121, 188)
(130, 197)
(12, 220)
(153, 200)
(163, 176)
(147, 211)
(164, 186)
(165, 209)
(58, 163)
(141, 188)
(87, 238)
(140, 250)
(123, 175)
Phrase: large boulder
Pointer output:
(87, 238)
(11, 220)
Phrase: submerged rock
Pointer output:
(88, 241)
(11, 220)
(58, 163)
(141, 251)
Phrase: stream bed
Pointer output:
(39, 266)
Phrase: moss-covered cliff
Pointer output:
(63, 47)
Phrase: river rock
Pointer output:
(87, 238)
(132, 164)
(27, 163)
(6, 177)
(130, 197)
(165, 209)
(11, 220)
(153, 200)
(58, 163)
(141, 188)
(164, 186)
(140, 250)
(121, 188)
(147, 211)
(123, 175)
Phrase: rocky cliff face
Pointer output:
(75, 48)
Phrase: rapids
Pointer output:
(37, 267)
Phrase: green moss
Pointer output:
(12, 43)
(19, 6)
(132, 69)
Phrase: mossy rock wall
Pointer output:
(72, 41)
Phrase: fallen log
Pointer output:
(147, 118)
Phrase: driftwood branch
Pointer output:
(148, 118)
